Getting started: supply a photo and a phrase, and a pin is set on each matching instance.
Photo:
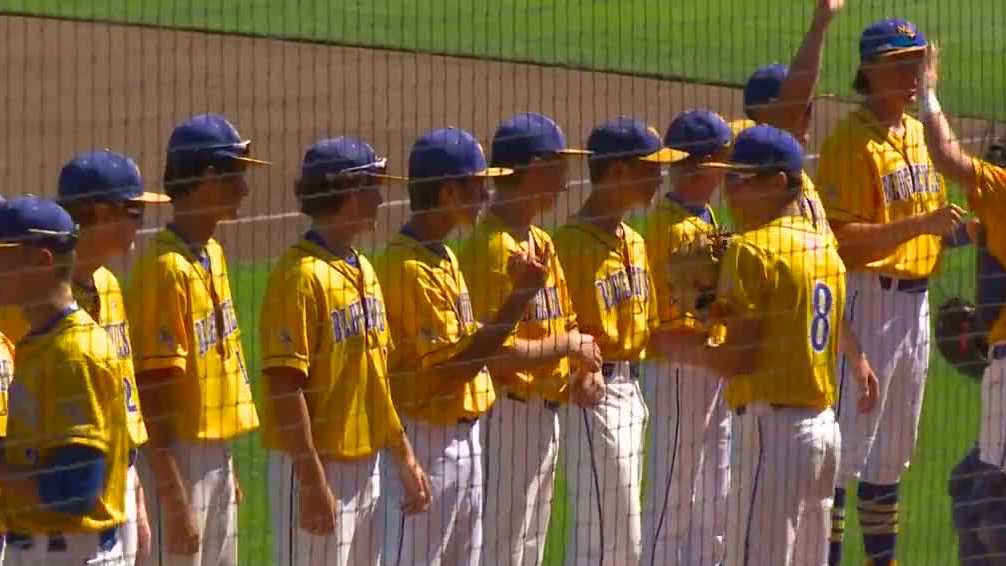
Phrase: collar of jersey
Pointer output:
(53, 322)
(410, 238)
(609, 239)
(176, 241)
(495, 222)
(869, 121)
(694, 210)
(314, 242)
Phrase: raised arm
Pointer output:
(947, 154)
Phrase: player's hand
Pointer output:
(181, 535)
(317, 507)
(974, 228)
(239, 494)
(827, 9)
(143, 533)
(869, 385)
(527, 272)
(416, 485)
(929, 71)
(942, 221)
(587, 388)
(585, 352)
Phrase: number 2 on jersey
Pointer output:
(130, 402)
(820, 322)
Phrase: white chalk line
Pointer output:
(403, 202)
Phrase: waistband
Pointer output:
(767, 408)
(904, 285)
(57, 541)
(614, 370)
(132, 457)
(550, 405)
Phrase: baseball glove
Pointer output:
(959, 338)
(694, 272)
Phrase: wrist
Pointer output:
(929, 104)
(308, 469)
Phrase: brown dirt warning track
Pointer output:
(71, 86)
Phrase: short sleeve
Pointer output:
(743, 279)
(156, 304)
(430, 318)
(83, 405)
(990, 182)
(562, 289)
(289, 324)
(483, 261)
(846, 183)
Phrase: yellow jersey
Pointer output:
(68, 390)
(611, 286)
(12, 323)
(182, 316)
(868, 174)
(324, 316)
(6, 377)
(431, 318)
(668, 227)
(788, 276)
(103, 301)
(549, 314)
(988, 200)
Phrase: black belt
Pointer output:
(998, 351)
(468, 420)
(550, 405)
(132, 457)
(608, 369)
(739, 411)
(57, 542)
(905, 285)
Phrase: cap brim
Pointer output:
(729, 166)
(10, 244)
(574, 152)
(250, 160)
(151, 198)
(899, 51)
(387, 177)
(665, 155)
(493, 172)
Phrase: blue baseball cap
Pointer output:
(450, 152)
(764, 85)
(343, 155)
(209, 137)
(35, 221)
(628, 137)
(104, 175)
(699, 133)
(764, 149)
(526, 136)
(890, 36)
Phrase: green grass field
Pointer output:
(709, 40)
(705, 40)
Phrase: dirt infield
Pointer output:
(72, 86)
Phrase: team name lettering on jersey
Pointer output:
(465, 311)
(914, 179)
(357, 317)
(622, 285)
(206, 327)
(544, 306)
(120, 338)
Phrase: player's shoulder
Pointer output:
(162, 256)
(81, 338)
(294, 266)
(852, 130)
(105, 282)
(631, 235)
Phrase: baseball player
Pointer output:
(888, 209)
(985, 184)
(781, 292)
(612, 290)
(103, 192)
(689, 434)
(67, 447)
(546, 362)
(187, 349)
(325, 341)
(439, 379)
(6, 376)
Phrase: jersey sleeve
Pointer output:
(744, 277)
(484, 263)
(430, 318)
(990, 183)
(156, 304)
(846, 183)
(289, 324)
(566, 302)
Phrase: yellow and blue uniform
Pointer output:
(868, 174)
(105, 304)
(12, 323)
(325, 317)
(182, 317)
(6, 377)
(484, 260)
(68, 390)
(611, 286)
(430, 314)
(988, 201)
(786, 275)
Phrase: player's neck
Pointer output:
(888, 111)
(195, 229)
(694, 190)
(88, 259)
(603, 211)
(430, 227)
(757, 215)
(336, 234)
(41, 312)
(515, 211)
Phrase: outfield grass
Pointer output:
(703, 40)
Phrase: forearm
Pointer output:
(848, 342)
(860, 243)
(525, 354)
(157, 396)
(401, 451)
(798, 89)
(293, 421)
(946, 152)
(733, 357)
